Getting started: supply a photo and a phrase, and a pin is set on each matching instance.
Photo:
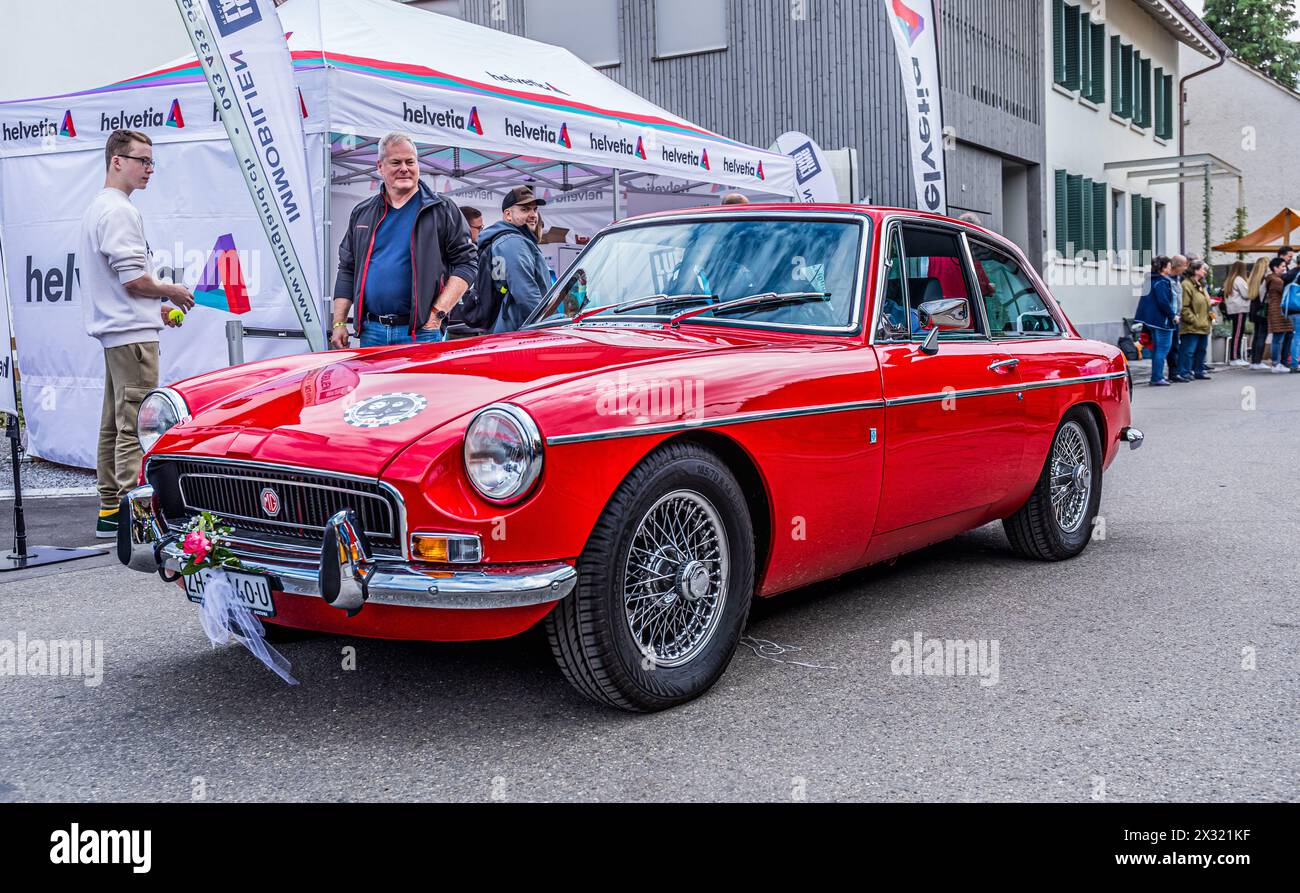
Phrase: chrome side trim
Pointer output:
(1001, 389)
(736, 419)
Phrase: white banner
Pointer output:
(195, 209)
(245, 59)
(914, 26)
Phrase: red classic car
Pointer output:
(710, 406)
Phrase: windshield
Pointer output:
(692, 265)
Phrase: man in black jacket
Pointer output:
(405, 259)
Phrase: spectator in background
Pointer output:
(1196, 319)
(1177, 266)
(405, 259)
(457, 327)
(734, 198)
(1280, 326)
(1236, 305)
(122, 308)
(1290, 272)
(1156, 312)
(514, 260)
(1258, 313)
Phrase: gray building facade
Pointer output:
(754, 69)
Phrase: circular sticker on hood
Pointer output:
(386, 409)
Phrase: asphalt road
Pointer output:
(1123, 675)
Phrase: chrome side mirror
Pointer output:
(345, 564)
(945, 314)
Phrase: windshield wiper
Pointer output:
(762, 299)
(650, 301)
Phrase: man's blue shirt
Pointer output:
(388, 279)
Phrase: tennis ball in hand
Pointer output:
(176, 316)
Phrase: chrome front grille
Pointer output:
(233, 492)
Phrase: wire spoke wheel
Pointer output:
(675, 578)
(1071, 477)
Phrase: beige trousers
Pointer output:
(130, 372)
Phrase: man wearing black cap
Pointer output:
(509, 252)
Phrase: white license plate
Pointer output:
(251, 590)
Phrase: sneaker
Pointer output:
(1263, 366)
(1241, 362)
(1181, 379)
(106, 526)
(1162, 383)
(1279, 369)
(1200, 378)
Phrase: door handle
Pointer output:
(1000, 365)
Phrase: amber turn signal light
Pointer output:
(446, 548)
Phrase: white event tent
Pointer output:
(488, 110)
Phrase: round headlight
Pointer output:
(503, 453)
(161, 410)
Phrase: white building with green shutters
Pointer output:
(1113, 99)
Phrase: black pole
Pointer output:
(20, 524)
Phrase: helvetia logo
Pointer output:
(704, 159)
(67, 128)
(174, 116)
(564, 136)
(640, 149)
(760, 171)
(475, 125)
(302, 103)
(910, 19)
(222, 284)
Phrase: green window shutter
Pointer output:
(1074, 213)
(1098, 92)
(1145, 87)
(1100, 211)
(1085, 213)
(1126, 81)
(1058, 41)
(1136, 205)
(1072, 47)
(1137, 88)
(1158, 83)
(1085, 57)
(1116, 78)
(1061, 217)
(1148, 240)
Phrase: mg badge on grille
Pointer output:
(270, 502)
(386, 409)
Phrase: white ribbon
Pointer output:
(224, 618)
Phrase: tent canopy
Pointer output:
(367, 67)
(1269, 238)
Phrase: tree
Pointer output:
(1259, 33)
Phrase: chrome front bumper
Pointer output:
(344, 572)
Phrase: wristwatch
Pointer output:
(439, 315)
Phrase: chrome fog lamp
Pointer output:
(503, 453)
(161, 410)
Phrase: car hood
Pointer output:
(356, 410)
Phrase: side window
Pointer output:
(936, 269)
(897, 319)
(1011, 302)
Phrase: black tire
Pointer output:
(1035, 530)
(590, 631)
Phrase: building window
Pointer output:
(1142, 230)
(1095, 87)
(685, 27)
(554, 21)
(1123, 85)
(1118, 220)
(1159, 246)
(1164, 105)
(1078, 51)
(1142, 77)
(1080, 216)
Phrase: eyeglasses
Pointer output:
(147, 162)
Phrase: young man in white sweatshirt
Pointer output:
(121, 307)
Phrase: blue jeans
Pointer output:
(1161, 341)
(376, 334)
(1191, 354)
(1281, 347)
